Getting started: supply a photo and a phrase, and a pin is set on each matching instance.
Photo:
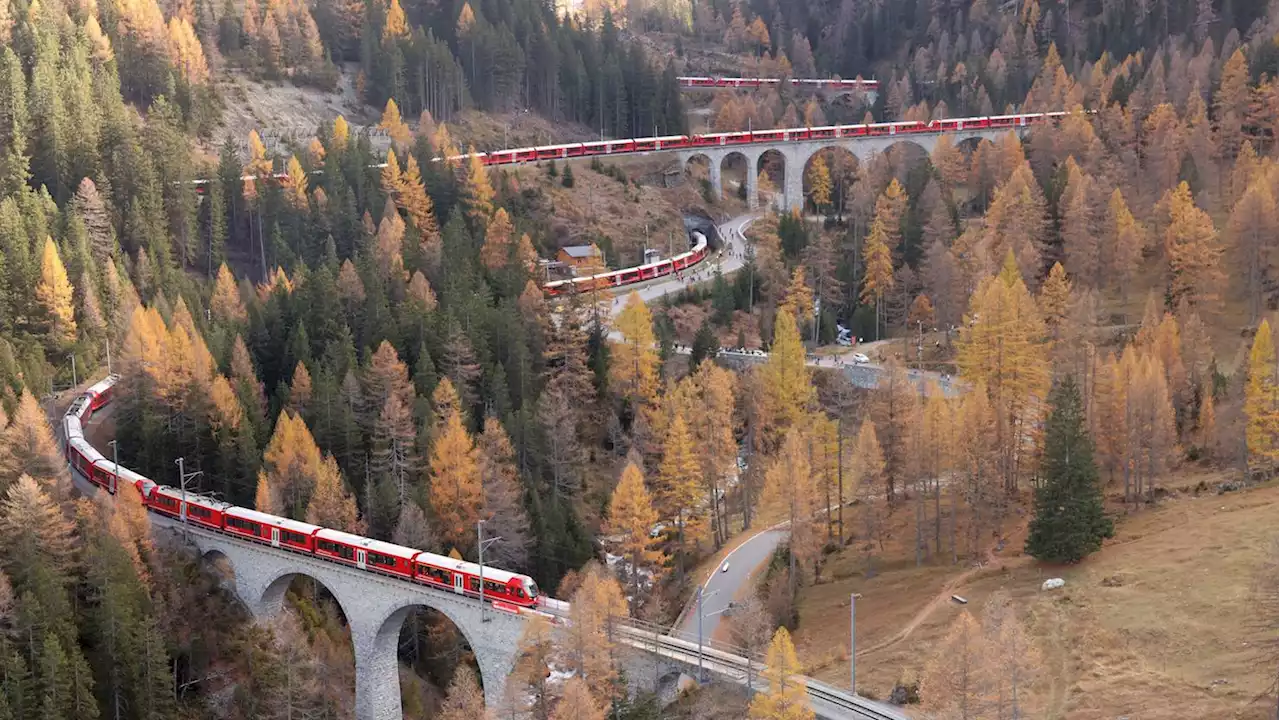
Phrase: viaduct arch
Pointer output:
(375, 609)
(796, 155)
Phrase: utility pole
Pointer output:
(183, 477)
(108, 355)
(75, 382)
(115, 460)
(480, 543)
(853, 642)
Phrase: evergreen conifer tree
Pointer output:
(1069, 523)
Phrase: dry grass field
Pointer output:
(1171, 619)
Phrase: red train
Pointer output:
(741, 82)
(505, 590)
(601, 148)
(627, 276)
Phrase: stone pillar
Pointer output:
(377, 672)
(753, 174)
(793, 180)
(717, 189)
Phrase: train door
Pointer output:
(275, 537)
(458, 580)
(361, 557)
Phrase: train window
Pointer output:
(380, 559)
(475, 585)
(293, 537)
(493, 587)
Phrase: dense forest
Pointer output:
(360, 341)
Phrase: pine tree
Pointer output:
(225, 305)
(798, 299)
(1124, 244)
(27, 447)
(465, 699)
(577, 703)
(497, 241)
(54, 293)
(588, 645)
(1069, 523)
(1016, 222)
(331, 505)
(393, 457)
(1194, 251)
(292, 464)
(14, 124)
(89, 207)
(788, 394)
(787, 697)
(789, 492)
(679, 479)
(503, 497)
(1260, 400)
(392, 179)
(1253, 230)
(633, 366)
(631, 518)
(1054, 296)
(477, 193)
(457, 495)
(295, 185)
(819, 180)
(956, 681)
(877, 249)
(1004, 348)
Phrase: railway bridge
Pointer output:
(376, 607)
(797, 147)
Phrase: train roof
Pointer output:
(103, 385)
(490, 573)
(193, 497)
(78, 406)
(359, 541)
(274, 520)
(90, 452)
(122, 472)
(72, 428)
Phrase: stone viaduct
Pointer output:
(375, 609)
(796, 157)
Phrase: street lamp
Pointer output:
(480, 545)
(853, 643)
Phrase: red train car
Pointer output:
(200, 510)
(270, 529)
(365, 553)
(463, 578)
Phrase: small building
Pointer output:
(581, 256)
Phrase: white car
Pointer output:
(725, 566)
(861, 359)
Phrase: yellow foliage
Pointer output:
(456, 493)
(295, 185)
(1260, 399)
(788, 696)
(186, 53)
(54, 293)
(397, 24)
(634, 366)
(391, 121)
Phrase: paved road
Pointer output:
(730, 259)
(720, 588)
